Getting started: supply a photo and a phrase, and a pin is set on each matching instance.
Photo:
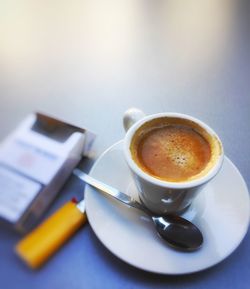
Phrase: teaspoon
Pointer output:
(178, 232)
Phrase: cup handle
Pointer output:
(131, 116)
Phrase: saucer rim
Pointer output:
(109, 248)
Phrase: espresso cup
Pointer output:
(171, 157)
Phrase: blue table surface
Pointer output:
(87, 62)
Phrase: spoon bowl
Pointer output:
(178, 232)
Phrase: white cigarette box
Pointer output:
(35, 161)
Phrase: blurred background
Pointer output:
(62, 57)
(82, 60)
(87, 61)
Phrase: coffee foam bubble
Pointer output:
(182, 152)
(176, 148)
(173, 151)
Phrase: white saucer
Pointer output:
(221, 211)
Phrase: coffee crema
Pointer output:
(174, 149)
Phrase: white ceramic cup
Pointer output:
(160, 196)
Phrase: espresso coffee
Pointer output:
(173, 149)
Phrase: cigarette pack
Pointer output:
(35, 161)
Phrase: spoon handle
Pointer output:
(110, 191)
